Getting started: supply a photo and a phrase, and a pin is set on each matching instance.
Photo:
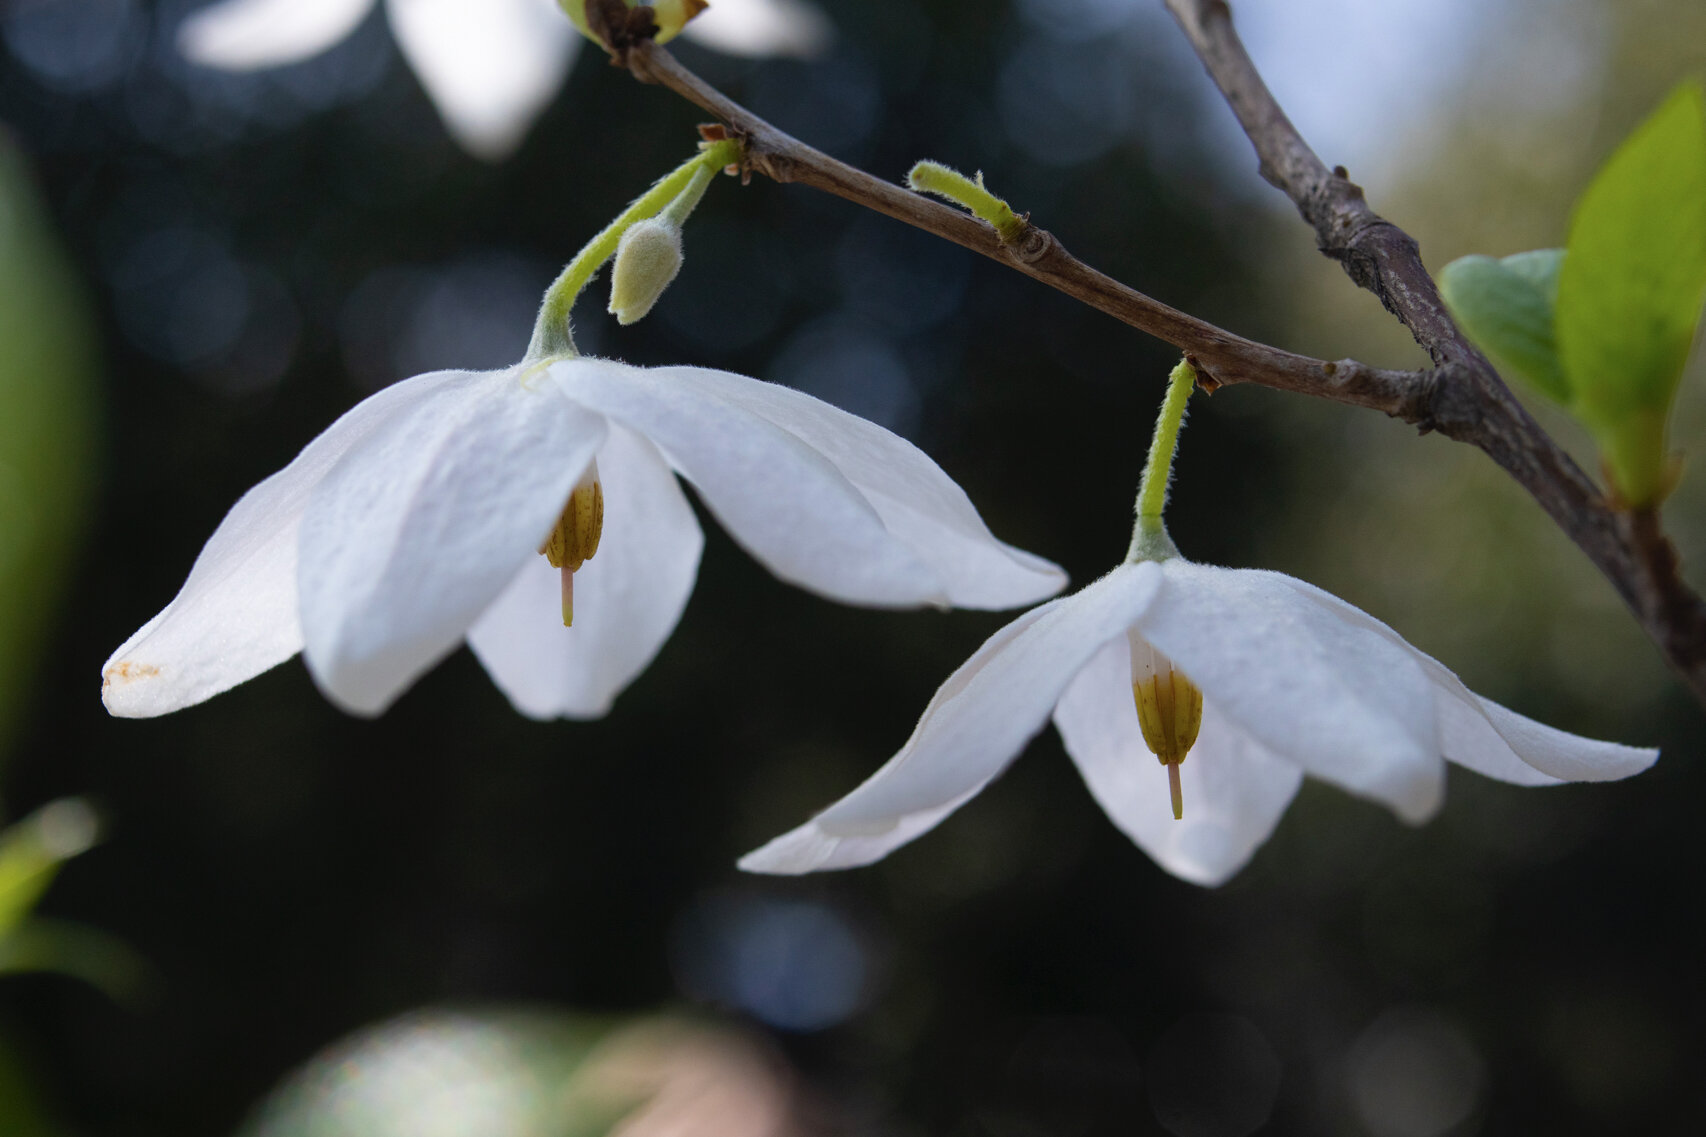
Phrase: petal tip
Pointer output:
(772, 860)
(128, 690)
(1419, 806)
(804, 850)
(354, 691)
(1626, 761)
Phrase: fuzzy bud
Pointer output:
(646, 261)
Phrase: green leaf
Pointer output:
(47, 412)
(31, 853)
(21, 1113)
(1631, 288)
(1506, 308)
(32, 850)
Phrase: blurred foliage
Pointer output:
(1506, 307)
(1505, 600)
(47, 411)
(531, 1072)
(1604, 326)
(1631, 288)
(32, 851)
(20, 1111)
(507, 1075)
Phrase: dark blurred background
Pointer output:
(252, 253)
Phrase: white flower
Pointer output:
(418, 517)
(490, 66)
(1293, 681)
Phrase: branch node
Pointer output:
(1206, 382)
(621, 29)
(1032, 243)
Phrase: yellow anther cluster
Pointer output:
(1169, 711)
(575, 539)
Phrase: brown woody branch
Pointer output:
(1461, 395)
(1219, 355)
(1468, 401)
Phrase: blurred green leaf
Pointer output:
(449, 1071)
(1505, 306)
(100, 959)
(47, 411)
(20, 1114)
(31, 852)
(1631, 288)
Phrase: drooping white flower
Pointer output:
(1293, 681)
(489, 66)
(418, 520)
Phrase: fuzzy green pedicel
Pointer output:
(933, 177)
(1149, 539)
(552, 338)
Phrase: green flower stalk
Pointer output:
(649, 254)
(1149, 539)
(552, 336)
(970, 193)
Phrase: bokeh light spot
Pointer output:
(1212, 1075)
(74, 46)
(1414, 1073)
(795, 964)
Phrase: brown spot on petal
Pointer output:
(127, 672)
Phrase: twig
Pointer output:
(1219, 356)
(1461, 395)
(1470, 403)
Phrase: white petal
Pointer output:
(416, 532)
(1234, 791)
(973, 728)
(236, 614)
(785, 502)
(918, 503)
(628, 597)
(489, 66)
(1492, 740)
(1306, 676)
(242, 35)
(758, 28)
(1497, 742)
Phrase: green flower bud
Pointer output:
(646, 261)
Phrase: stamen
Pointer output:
(574, 539)
(1169, 711)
